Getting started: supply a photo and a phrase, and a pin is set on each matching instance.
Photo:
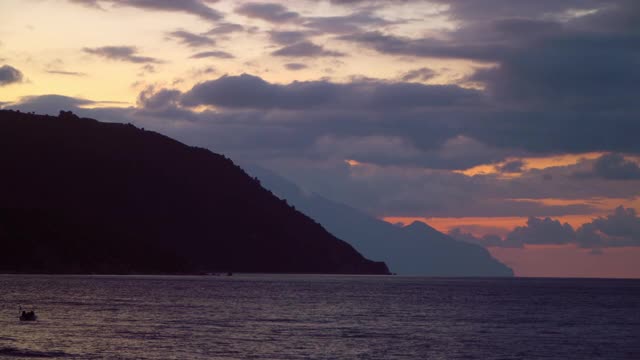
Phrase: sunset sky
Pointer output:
(511, 124)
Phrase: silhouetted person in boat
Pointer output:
(28, 316)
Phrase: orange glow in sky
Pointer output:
(571, 261)
(484, 225)
(532, 163)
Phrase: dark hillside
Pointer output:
(78, 195)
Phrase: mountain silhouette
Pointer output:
(416, 249)
(81, 196)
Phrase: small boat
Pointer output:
(28, 316)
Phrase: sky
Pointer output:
(512, 124)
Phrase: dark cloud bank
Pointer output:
(247, 91)
(569, 83)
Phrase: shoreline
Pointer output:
(292, 275)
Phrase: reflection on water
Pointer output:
(318, 317)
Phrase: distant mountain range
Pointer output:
(416, 249)
(81, 196)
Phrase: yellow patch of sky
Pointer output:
(36, 34)
(352, 162)
(501, 225)
(60, 30)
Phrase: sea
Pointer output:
(318, 317)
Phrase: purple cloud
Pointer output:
(193, 7)
(121, 53)
(271, 12)
(191, 39)
(10, 75)
(212, 54)
(306, 49)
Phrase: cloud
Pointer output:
(150, 99)
(287, 37)
(473, 11)
(56, 67)
(612, 167)
(622, 228)
(542, 231)
(305, 49)
(121, 53)
(368, 3)
(562, 72)
(295, 66)
(616, 167)
(485, 240)
(247, 91)
(277, 13)
(193, 7)
(156, 109)
(148, 69)
(50, 104)
(191, 39)
(349, 2)
(398, 150)
(345, 24)
(158, 106)
(214, 53)
(422, 74)
(10, 75)
(422, 47)
(225, 28)
(88, 3)
(271, 12)
(557, 131)
(67, 73)
(514, 166)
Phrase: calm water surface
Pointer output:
(318, 317)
